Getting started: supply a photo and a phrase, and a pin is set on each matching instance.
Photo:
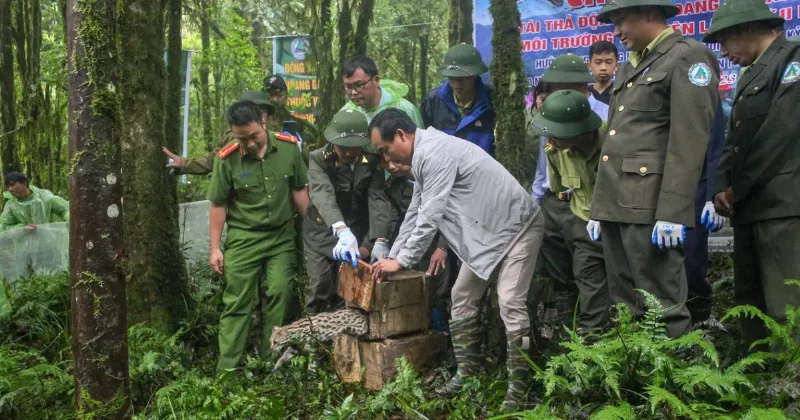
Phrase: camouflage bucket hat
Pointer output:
(670, 10)
(348, 129)
(566, 114)
(259, 98)
(736, 12)
(568, 68)
(462, 61)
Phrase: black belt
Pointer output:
(560, 196)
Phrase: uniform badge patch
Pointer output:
(700, 74)
(792, 72)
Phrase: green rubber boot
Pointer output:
(465, 334)
(518, 369)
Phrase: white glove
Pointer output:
(347, 248)
(668, 234)
(710, 219)
(299, 139)
(593, 227)
(379, 250)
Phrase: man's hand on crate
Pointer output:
(384, 266)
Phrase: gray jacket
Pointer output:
(467, 196)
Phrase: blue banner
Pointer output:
(551, 28)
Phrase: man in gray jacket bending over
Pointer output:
(489, 221)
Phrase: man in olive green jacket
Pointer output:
(348, 202)
(661, 110)
(758, 179)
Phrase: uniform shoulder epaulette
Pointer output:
(227, 150)
(286, 137)
(328, 154)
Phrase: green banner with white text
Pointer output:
(291, 60)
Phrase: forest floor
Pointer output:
(633, 372)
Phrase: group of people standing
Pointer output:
(628, 183)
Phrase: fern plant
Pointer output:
(635, 371)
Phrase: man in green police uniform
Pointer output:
(348, 201)
(400, 189)
(758, 180)
(576, 133)
(203, 165)
(253, 185)
(662, 105)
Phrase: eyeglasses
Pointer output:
(358, 85)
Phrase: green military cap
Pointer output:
(349, 128)
(736, 12)
(259, 98)
(566, 113)
(568, 68)
(462, 61)
(670, 10)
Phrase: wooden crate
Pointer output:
(374, 361)
(400, 304)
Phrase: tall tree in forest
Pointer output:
(510, 85)
(154, 267)
(205, 94)
(97, 283)
(9, 158)
(362, 27)
(326, 64)
(460, 21)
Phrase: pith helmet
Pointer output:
(670, 10)
(568, 68)
(259, 98)
(348, 129)
(736, 12)
(566, 113)
(462, 61)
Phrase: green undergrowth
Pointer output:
(632, 372)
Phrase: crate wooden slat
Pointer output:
(399, 304)
(377, 358)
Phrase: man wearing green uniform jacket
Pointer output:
(758, 179)
(275, 87)
(400, 189)
(576, 133)
(203, 165)
(348, 201)
(662, 105)
(253, 185)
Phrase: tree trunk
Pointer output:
(321, 41)
(154, 267)
(465, 21)
(362, 27)
(510, 85)
(345, 27)
(205, 95)
(97, 283)
(424, 39)
(8, 114)
(460, 22)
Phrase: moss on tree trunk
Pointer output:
(154, 265)
(98, 327)
(510, 84)
(8, 115)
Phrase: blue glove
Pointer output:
(593, 227)
(347, 248)
(710, 219)
(668, 235)
(299, 139)
(380, 250)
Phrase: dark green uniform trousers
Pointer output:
(556, 259)
(577, 262)
(633, 262)
(249, 255)
(765, 255)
